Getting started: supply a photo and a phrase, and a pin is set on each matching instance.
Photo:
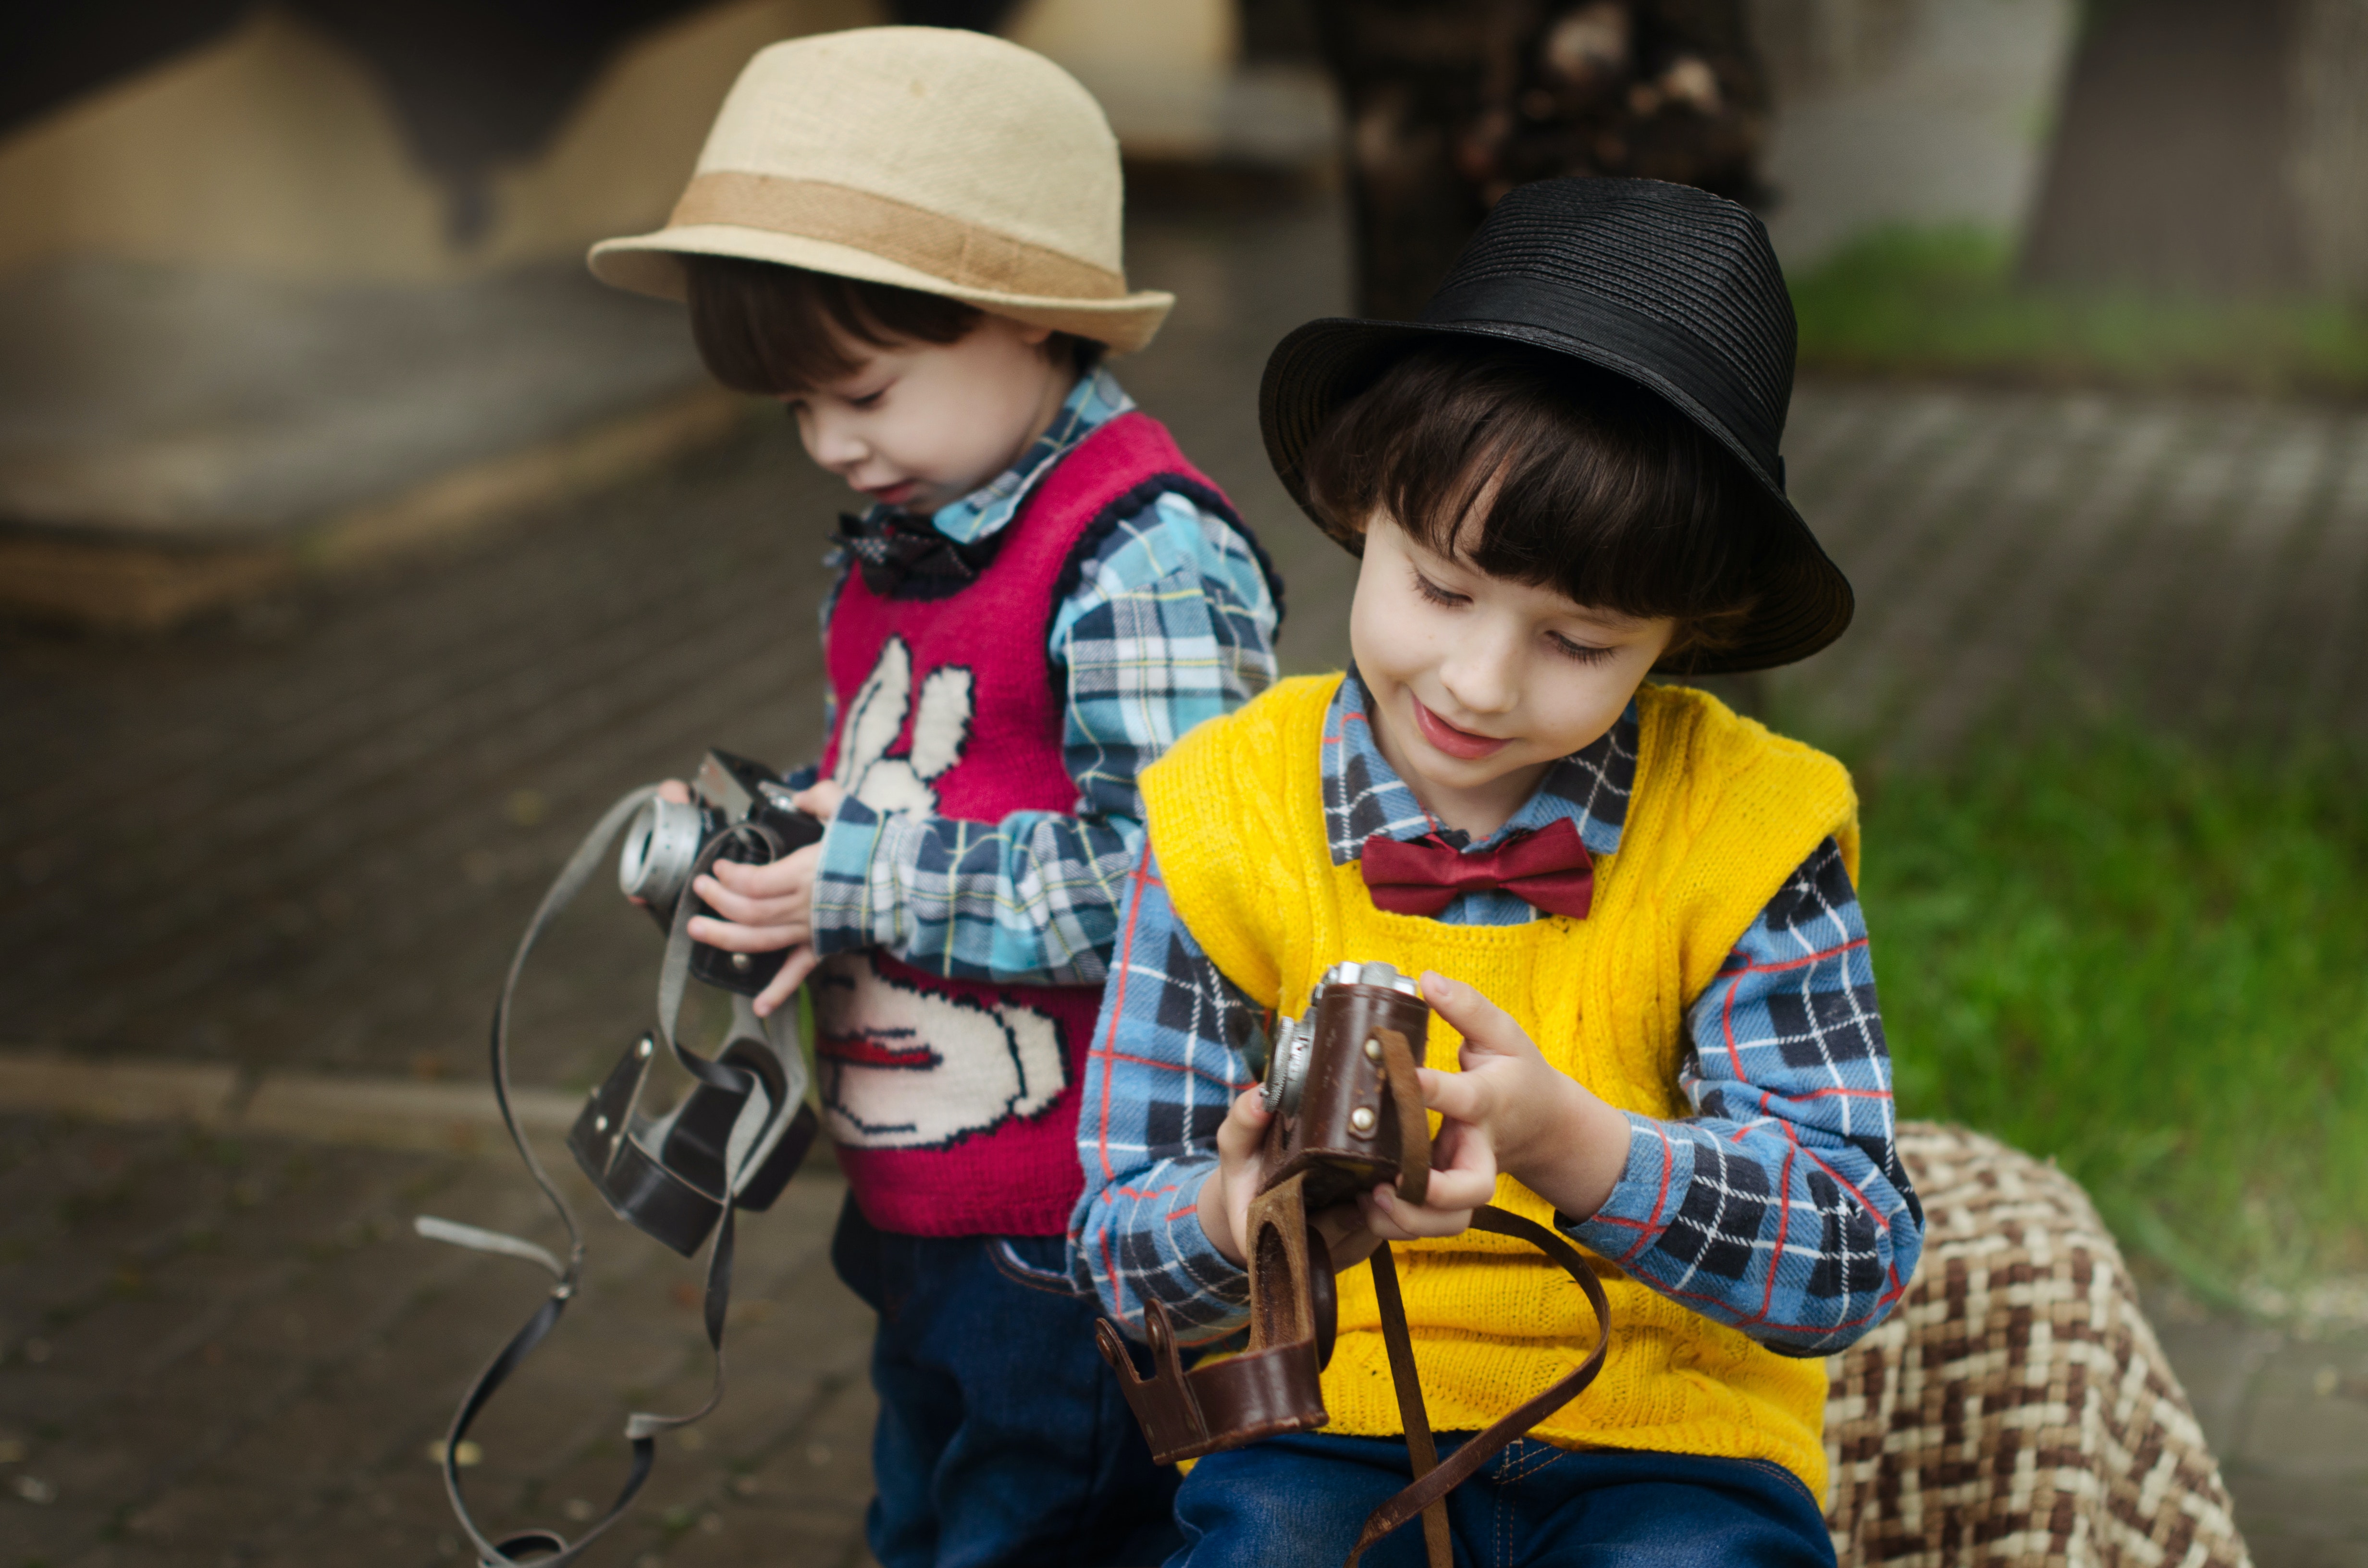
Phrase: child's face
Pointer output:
(1479, 683)
(919, 426)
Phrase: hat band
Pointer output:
(950, 249)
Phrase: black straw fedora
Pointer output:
(1674, 288)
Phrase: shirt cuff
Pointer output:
(1207, 1294)
(850, 912)
(1650, 1191)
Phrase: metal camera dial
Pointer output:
(1288, 1077)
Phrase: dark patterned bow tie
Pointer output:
(1548, 869)
(902, 556)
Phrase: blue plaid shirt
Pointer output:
(1780, 1207)
(1171, 622)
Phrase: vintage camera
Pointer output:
(1340, 1116)
(1348, 1116)
(739, 810)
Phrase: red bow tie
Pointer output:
(1548, 869)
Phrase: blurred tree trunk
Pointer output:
(2212, 146)
(1451, 103)
(2329, 161)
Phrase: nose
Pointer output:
(1483, 669)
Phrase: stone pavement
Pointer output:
(2201, 564)
(305, 838)
(234, 1351)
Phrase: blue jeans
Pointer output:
(1303, 1499)
(1003, 1438)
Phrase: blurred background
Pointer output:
(356, 550)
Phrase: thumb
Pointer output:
(1486, 1027)
(820, 799)
(1243, 1127)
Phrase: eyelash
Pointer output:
(1586, 653)
(1436, 594)
(869, 400)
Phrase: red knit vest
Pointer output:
(954, 1103)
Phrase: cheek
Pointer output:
(1586, 700)
(938, 430)
(1377, 628)
(1399, 637)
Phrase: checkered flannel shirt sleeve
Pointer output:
(1172, 622)
(1170, 1051)
(1780, 1207)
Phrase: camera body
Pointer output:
(739, 810)
(1341, 1115)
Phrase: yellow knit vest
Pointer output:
(1723, 811)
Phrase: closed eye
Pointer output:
(1585, 652)
(869, 400)
(1438, 594)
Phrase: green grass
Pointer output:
(1943, 303)
(2149, 962)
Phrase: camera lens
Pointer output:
(661, 846)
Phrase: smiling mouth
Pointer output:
(895, 495)
(1446, 737)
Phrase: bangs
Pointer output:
(778, 331)
(1535, 467)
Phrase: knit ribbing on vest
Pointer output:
(1723, 813)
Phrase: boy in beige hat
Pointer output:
(912, 237)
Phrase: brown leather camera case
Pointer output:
(1358, 1122)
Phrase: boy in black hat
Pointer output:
(1632, 910)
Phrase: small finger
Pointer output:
(771, 879)
(1400, 1221)
(737, 939)
(1458, 1096)
(744, 910)
(1487, 1030)
(785, 984)
(1463, 1148)
(1464, 1190)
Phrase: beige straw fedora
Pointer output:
(947, 161)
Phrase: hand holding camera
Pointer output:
(745, 848)
(1462, 1170)
(768, 908)
(1330, 1158)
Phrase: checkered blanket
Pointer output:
(2015, 1408)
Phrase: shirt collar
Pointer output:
(1094, 401)
(1363, 795)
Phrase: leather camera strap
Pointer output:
(1413, 1123)
(1429, 1489)
(542, 1548)
(1423, 1453)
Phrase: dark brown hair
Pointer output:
(1592, 485)
(776, 330)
